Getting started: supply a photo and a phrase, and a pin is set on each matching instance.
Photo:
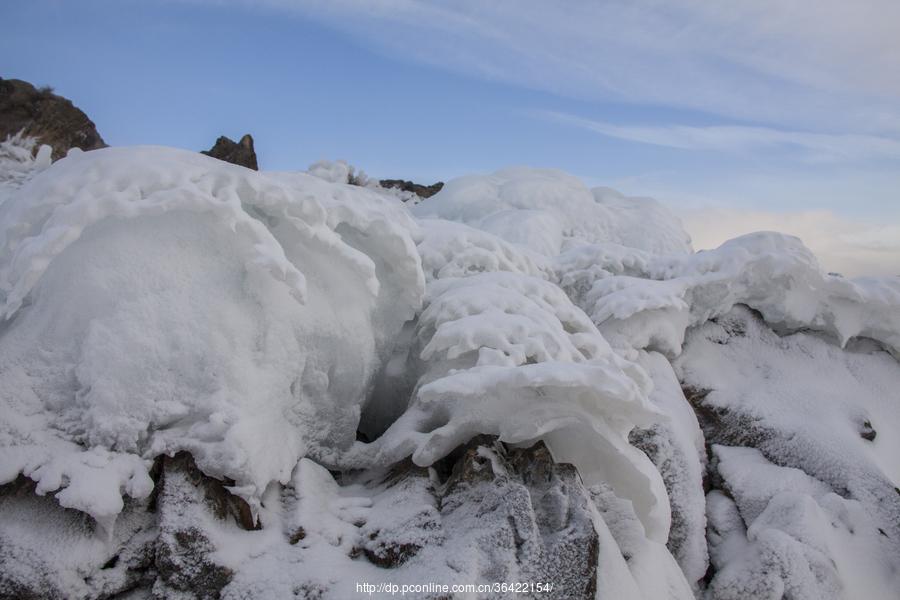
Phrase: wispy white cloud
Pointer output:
(818, 147)
(848, 246)
(817, 79)
(806, 63)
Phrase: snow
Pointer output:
(676, 447)
(19, 162)
(451, 249)
(803, 539)
(545, 210)
(817, 496)
(329, 349)
(500, 343)
(652, 306)
(337, 171)
(653, 569)
(54, 549)
(159, 300)
(796, 376)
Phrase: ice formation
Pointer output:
(159, 301)
(274, 384)
(547, 210)
(19, 161)
(651, 301)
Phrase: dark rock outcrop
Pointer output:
(237, 153)
(423, 191)
(50, 118)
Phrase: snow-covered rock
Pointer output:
(216, 382)
(805, 443)
(158, 301)
(650, 302)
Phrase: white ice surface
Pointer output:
(159, 300)
(546, 209)
(816, 501)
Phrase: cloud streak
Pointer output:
(814, 147)
(778, 81)
(806, 64)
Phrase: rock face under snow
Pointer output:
(221, 383)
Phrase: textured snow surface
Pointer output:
(500, 344)
(545, 210)
(159, 300)
(519, 378)
(675, 445)
(19, 161)
(811, 510)
(649, 302)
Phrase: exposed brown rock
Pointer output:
(50, 118)
(237, 153)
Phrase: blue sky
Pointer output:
(765, 110)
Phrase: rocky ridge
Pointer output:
(52, 119)
(237, 153)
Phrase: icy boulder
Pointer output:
(158, 300)
(547, 210)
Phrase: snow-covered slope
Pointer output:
(222, 383)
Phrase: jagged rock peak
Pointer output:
(238, 153)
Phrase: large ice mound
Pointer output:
(374, 381)
(159, 300)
